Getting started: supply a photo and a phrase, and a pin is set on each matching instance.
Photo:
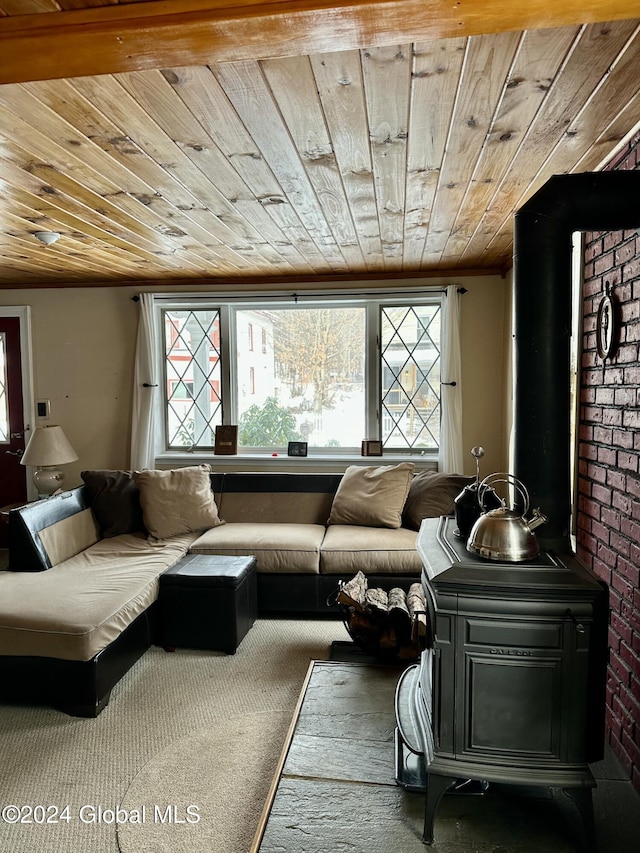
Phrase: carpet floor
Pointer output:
(148, 743)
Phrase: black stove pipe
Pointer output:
(591, 201)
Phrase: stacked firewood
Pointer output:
(391, 624)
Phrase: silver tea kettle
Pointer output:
(504, 533)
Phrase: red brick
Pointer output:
(622, 438)
(618, 582)
(631, 330)
(619, 630)
(604, 263)
(625, 252)
(610, 517)
(601, 532)
(628, 570)
(631, 269)
(602, 571)
(602, 435)
(615, 728)
(627, 461)
(605, 396)
(631, 418)
(612, 417)
(619, 544)
(608, 241)
(631, 659)
(597, 473)
(623, 713)
(631, 747)
(630, 528)
(588, 451)
(623, 396)
(606, 456)
(629, 309)
(632, 373)
(622, 502)
(614, 639)
(625, 354)
(616, 602)
(613, 375)
(593, 414)
(602, 494)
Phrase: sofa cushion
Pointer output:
(177, 501)
(347, 549)
(69, 536)
(372, 496)
(300, 498)
(77, 608)
(431, 494)
(115, 500)
(278, 548)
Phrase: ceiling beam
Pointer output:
(165, 33)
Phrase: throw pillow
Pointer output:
(115, 501)
(177, 501)
(372, 496)
(431, 494)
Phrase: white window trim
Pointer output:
(263, 458)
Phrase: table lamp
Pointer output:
(47, 449)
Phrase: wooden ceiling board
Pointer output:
(536, 63)
(586, 64)
(369, 156)
(487, 62)
(338, 77)
(295, 94)
(386, 73)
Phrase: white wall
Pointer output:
(83, 356)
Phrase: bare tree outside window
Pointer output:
(313, 365)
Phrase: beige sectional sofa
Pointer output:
(77, 607)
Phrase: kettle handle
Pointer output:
(487, 485)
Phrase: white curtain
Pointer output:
(450, 455)
(145, 389)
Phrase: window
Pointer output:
(193, 402)
(328, 373)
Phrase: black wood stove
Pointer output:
(511, 689)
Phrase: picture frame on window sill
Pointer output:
(371, 448)
(226, 441)
(297, 448)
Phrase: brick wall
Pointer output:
(608, 532)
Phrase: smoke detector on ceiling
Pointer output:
(47, 237)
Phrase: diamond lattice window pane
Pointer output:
(193, 376)
(410, 373)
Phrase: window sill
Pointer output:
(318, 462)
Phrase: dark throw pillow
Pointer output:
(432, 494)
(115, 500)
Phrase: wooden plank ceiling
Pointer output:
(363, 157)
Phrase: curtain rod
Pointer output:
(296, 296)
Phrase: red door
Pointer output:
(13, 482)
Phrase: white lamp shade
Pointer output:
(48, 446)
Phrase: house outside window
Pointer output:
(330, 373)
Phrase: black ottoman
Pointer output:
(208, 602)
